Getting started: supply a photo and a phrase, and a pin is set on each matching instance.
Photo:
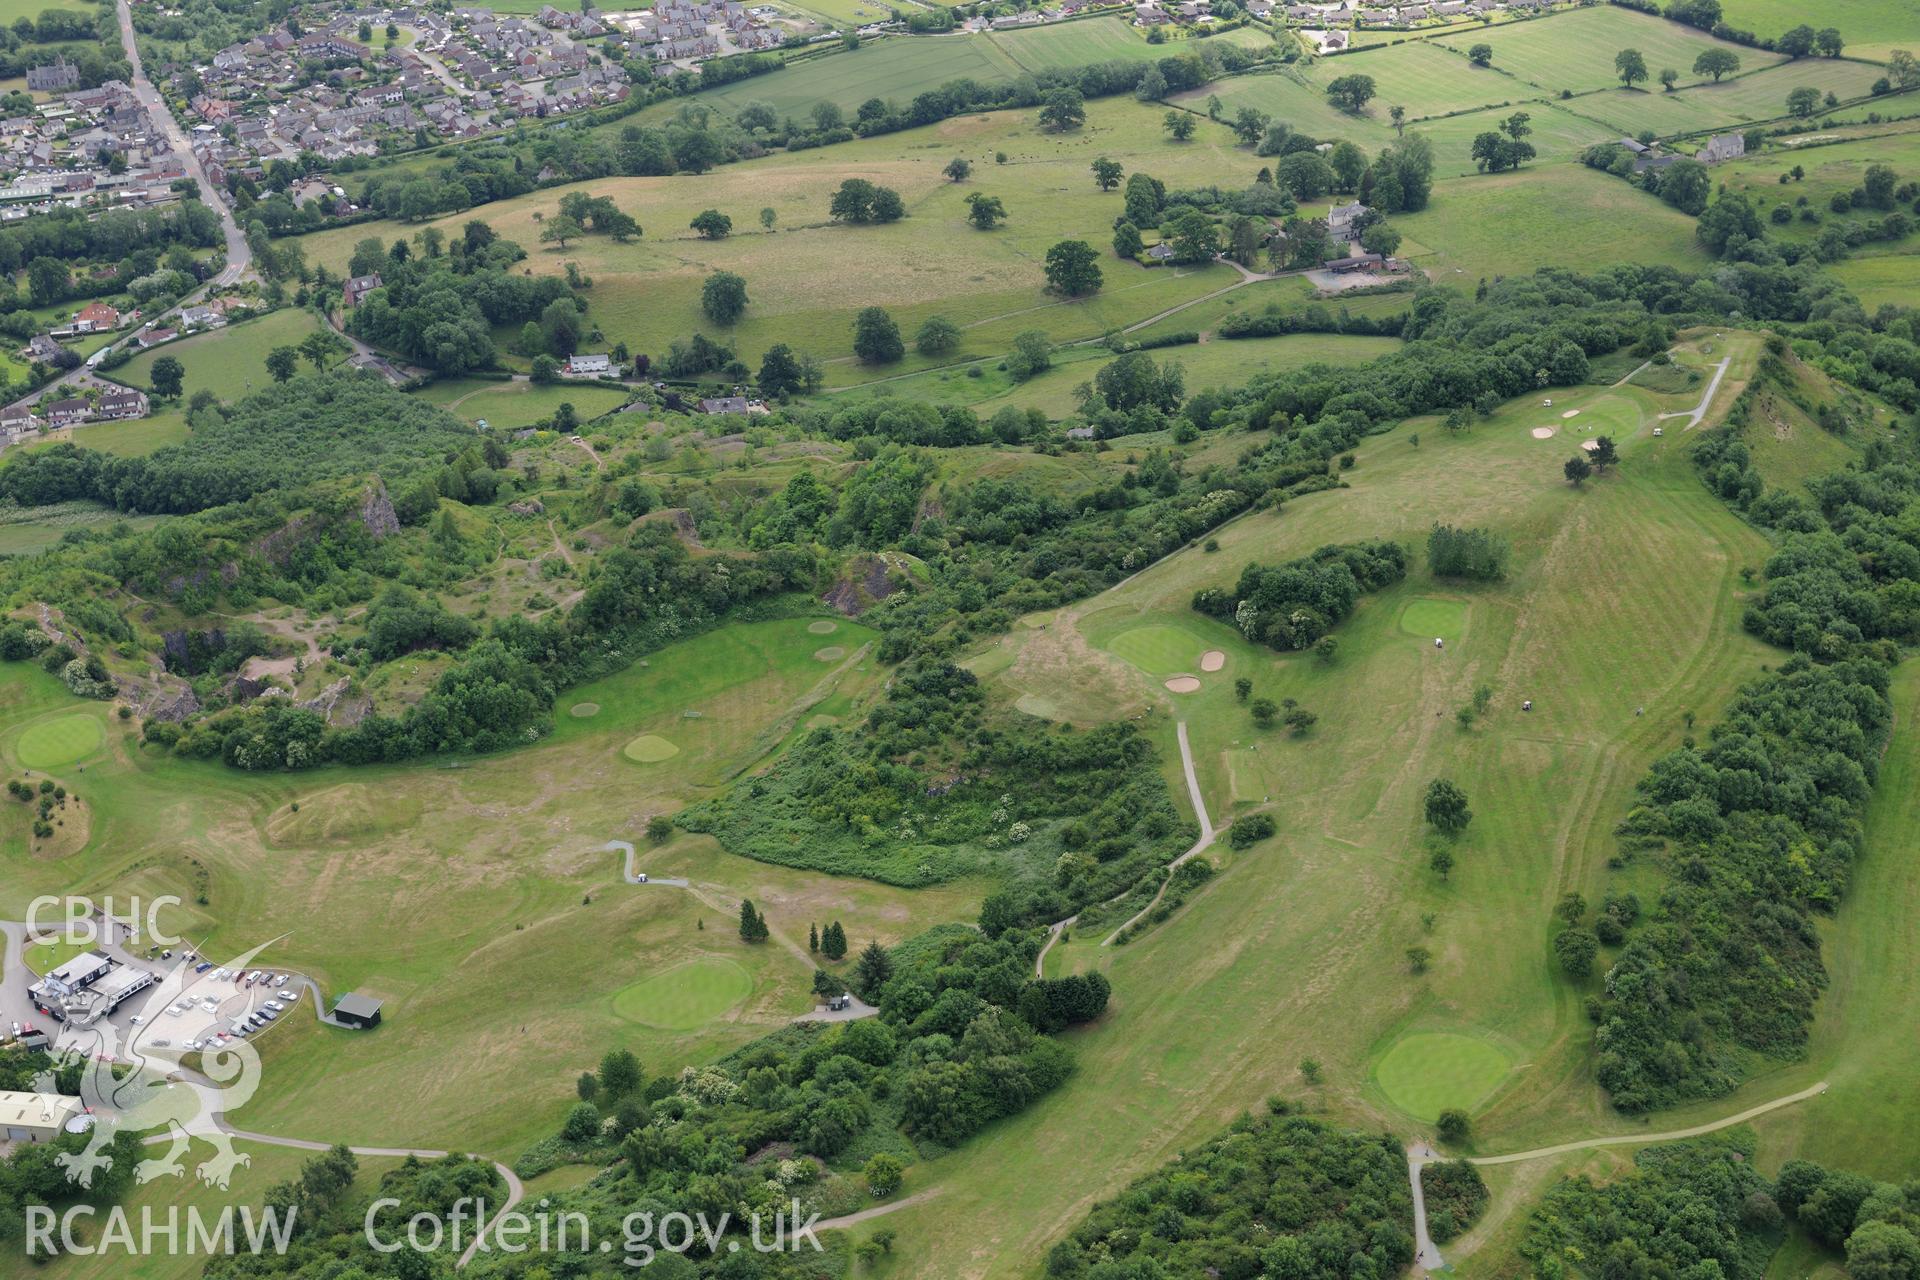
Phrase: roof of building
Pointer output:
(52, 1110)
(87, 963)
(356, 1005)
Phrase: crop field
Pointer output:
(806, 278)
(482, 905)
(229, 362)
(1872, 28)
(1575, 50)
(1319, 918)
(1577, 217)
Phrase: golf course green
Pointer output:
(686, 996)
(1425, 1073)
(59, 741)
(1426, 616)
(650, 748)
(1158, 649)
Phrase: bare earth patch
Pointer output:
(1183, 684)
(1212, 660)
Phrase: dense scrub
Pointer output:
(935, 786)
(1456, 1196)
(1275, 1195)
(1691, 1209)
(1759, 827)
(1291, 605)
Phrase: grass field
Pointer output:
(229, 362)
(135, 438)
(1427, 77)
(1577, 218)
(11, 11)
(477, 899)
(1575, 50)
(1872, 28)
(1441, 619)
(1296, 950)
(1300, 100)
(806, 280)
(1161, 648)
(1427, 1072)
(511, 405)
(1880, 279)
(1557, 134)
(27, 530)
(1217, 363)
(897, 68)
(1841, 166)
(685, 997)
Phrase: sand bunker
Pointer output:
(650, 748)
(1571, 413)
(1543, 433)
(1212, 660)
(1183, 684)
(823, 627)
(581, 710)
(832, 653)
(1589, 445)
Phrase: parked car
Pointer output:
(202, 967)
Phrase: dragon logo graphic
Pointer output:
(129, 1083)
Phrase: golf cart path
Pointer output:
(1207, 833)
(1699, 411)
(1421, 1154)
(878, 1211)
(856, 1007)
(1207, 837)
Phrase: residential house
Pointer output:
(18, 420)
(42, 347)
(1342, 221)
(726, 404)
(359, 287)
(96, 316)
(154, 337)
(124, 402)
(580, 365)
(1722, 146)
(66, 413)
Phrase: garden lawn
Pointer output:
(230, 362)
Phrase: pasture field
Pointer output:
(1873, 28)
(1292, 96)
(135, 438)
(1217, 363)
(229, 362)
(1079, 44)
(512, 405)
(1296, 950)
(1427, 77)
(27, 530)
(1840, 166)
(1575, 50)
(807, 278)
(1880, 279)
(1557, 134)
(475, 895)
(11, 11)
(1763, 94)
(1576, 217)
(897, 67)
(1631, 112)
